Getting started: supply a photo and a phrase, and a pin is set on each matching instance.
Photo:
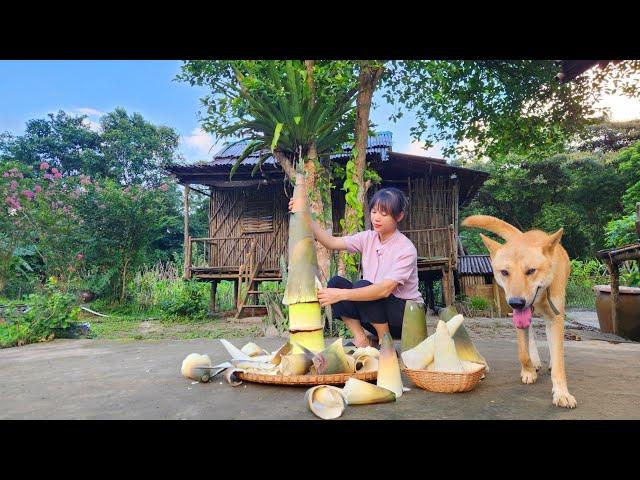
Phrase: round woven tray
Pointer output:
(445, 382)
(305, 380)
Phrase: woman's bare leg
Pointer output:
(381, 329)
(360, 337)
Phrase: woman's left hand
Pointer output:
(329, 296)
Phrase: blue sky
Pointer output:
(31, 89)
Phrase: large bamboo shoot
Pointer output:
(305, 318)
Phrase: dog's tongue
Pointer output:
(522, 318)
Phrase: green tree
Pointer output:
(127, 148)
(295, 111)
(134, 150)
(495, 107)
(608, 136)
(579, 192)
(622, 229)
(63, 141)
(119, 227)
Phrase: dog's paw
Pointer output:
(528, 376)
(537, 365)
(564, 399)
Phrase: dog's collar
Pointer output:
(553, 307)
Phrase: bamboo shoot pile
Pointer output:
(449, 349)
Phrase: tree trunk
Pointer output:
(367, 81)
(124, 280)
(316, 184)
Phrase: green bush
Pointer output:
(186, 299)
(47, 313)
(584, 275)
(480, 303)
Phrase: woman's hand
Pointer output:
(329, 296)
(293, 206)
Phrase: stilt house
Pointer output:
(248, 216)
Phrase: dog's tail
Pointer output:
(493, 224)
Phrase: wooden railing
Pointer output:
(227, 253)
(231, 253)
(434, 242)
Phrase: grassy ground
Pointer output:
(137, 326)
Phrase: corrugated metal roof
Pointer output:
(474, 265)
(380, 144)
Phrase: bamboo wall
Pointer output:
(229, 218)
(433, 203)
(467, 282)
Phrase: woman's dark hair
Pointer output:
(390, 201)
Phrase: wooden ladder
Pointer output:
(246, 277)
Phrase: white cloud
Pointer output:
(417, 148)
(92, 112)
(199, 142)
(95, 126)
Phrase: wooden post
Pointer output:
(496, 298)
(212, 304)
(446, 287)
(615, 294)
(430, 299)
(187, 241)
(236, 290)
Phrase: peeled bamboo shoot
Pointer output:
(422, 354)
(445, 358)
(464, 346)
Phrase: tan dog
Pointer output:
(533, 269)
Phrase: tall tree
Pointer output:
(63, 141)
(126, 148)
(293, 110)
(494, 107)
(134, 150)
(369, 75)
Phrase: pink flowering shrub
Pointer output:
(44, 221)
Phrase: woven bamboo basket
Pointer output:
(306, 380)
(443, 382)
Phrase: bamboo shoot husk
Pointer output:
(367, 363)
(253, 350)
(303, 262)
(358, 392)
(278, 354)
(332, 360)
(389, 368)
(296, 364)
(325, 401)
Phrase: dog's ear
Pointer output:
(491, 245)
(552, 241)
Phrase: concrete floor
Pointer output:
(89, 379)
